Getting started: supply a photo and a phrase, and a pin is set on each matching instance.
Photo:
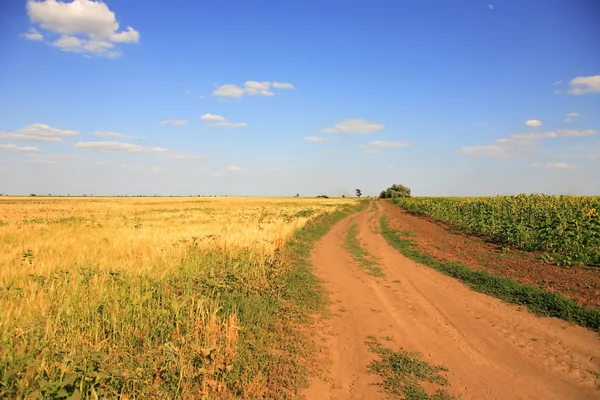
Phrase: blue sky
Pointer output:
(311, 97)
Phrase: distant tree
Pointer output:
(322, 196)
(343, 196)
(358, 193)
(297, 195)
(395, 191)
(33, 194)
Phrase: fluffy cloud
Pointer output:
(575, 132)
(86, 26)
(533, 123)
(501, 147)
(13, 147)
(355, 126)
(217, 120)
(122, 147)
(33, 34)
(524, 139)
(318, 139)
(251, 88)
(383, 143)
(283, 85)
(229, 91)
(585, 84)
(235, 168)
(557, 165)
(174, 122)
(105, 135)
(38, 133)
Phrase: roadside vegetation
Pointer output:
(403, 374)
(158, 298)
(565, 229)
(360, 254)
(537, 300)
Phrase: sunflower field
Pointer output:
(565, 228)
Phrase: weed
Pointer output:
(361, 255)
(403, 372)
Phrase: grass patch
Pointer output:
(537, 300)
(403, 372)
(361, 255)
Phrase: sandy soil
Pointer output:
(492, 350)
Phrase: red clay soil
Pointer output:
(445, 244)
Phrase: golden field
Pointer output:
(146, 297)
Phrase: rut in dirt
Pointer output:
(492, 350)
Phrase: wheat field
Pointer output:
(133, 297)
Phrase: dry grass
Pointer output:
(140, 296)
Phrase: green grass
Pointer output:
(538, 301)
(361, 255)
(402, 373)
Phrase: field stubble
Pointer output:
(154, 297)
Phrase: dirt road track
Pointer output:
(492, 350)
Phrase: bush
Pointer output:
(395, 191)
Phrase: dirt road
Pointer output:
(492, 350)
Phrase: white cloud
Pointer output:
(585, 84)
(491, 151)
(575, 132)
(13, 147)
(525, 139)
(174, 122)
(108, 135)
(122, 147)
(558, 82)
(533, 123)
(218, 120)
(283, 85)
(229, 91)
(86, 26)
(235, 168)
(38, 133)
(557, 165)
(33, 34)
(371, 151)
(188, 91)
(355, 126)
(128, 36)
(254, 88)
(501, 148)
(251, 88)
(383, 143)
(491, 6)
(318, 139)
